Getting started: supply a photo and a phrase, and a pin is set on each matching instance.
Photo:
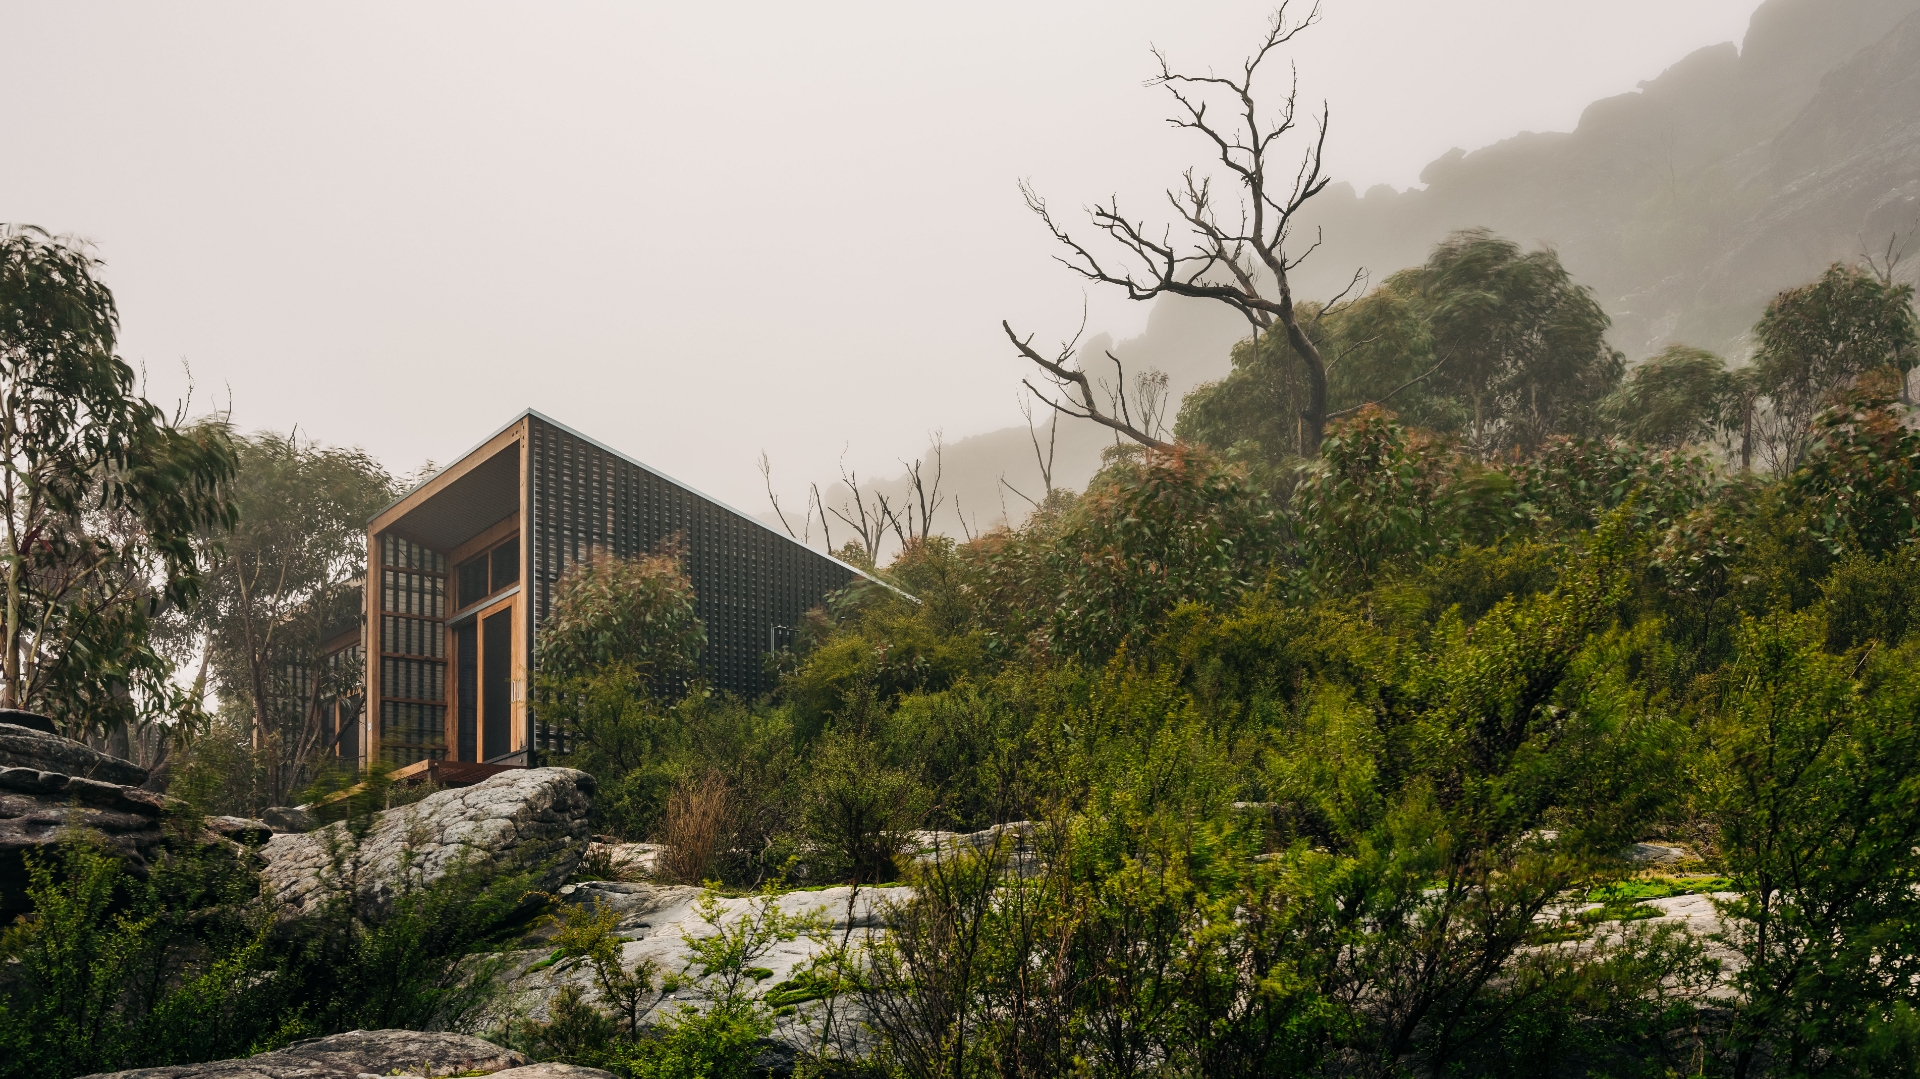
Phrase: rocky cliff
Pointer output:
(1686, 204)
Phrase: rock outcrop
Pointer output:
(52, 787)
(42, 750)
(534, 817)
(628, 861)
(355, 1054)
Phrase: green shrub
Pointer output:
(110, 971)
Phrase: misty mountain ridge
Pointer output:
(1685, 205)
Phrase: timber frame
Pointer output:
(460, 572)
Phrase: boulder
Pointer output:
(554, 1071)
(626, 861)
(1651, 854)
(290, 818)
(350, 1056)
(243, 830)
(1017, 842)
(29, 747)
(524, 817)
(30, 720)
(656, 921)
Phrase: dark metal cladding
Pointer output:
(751, 584)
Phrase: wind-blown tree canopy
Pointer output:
(284, 579)
(102, 495)
(1677, 398)
(1815, 340)
(1520, 345)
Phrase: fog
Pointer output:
(694, 231)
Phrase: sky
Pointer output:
(692, 231)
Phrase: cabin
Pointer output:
(461, 569)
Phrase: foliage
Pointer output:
(1381, 497)
(1152, 533)
(586, 934)
(1259, 765)
(1815, 340)
(1808, 781)
(857, 811)
(1570, 484)
(622, 735)
(1678, 398)
(1861, 478)
(635, 611)
(103, 496)
(280, 583)
(411, 969)
(1522, 347)
(113, 971)
(718, 1038)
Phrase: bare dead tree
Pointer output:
(1884, 264)
(1150, 390)
(1245, 265)
(806, 520)
(927, 495)
(914, 519)
(1044, 460)
(872, 522)
(814, 502)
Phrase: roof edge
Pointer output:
(530, 413)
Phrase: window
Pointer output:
(488, 572)
(506, 564)
(473, 581)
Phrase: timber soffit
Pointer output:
(690, 489)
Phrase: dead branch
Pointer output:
(872, 524)
(766, 473)
(1045, 460)
(1070, 379)
(1030, 501)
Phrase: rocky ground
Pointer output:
(49, 784)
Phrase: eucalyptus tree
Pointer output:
(1524, 347)
(1816, 339)
(283, 580)
(101, 496)
(1484, 341)
(1682, 396)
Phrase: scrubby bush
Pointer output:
(190, 963)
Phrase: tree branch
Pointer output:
(1065, 377)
